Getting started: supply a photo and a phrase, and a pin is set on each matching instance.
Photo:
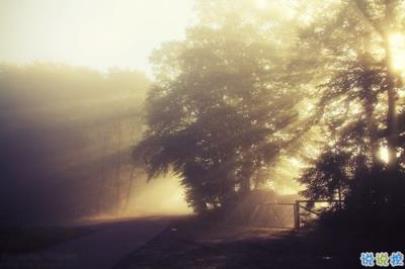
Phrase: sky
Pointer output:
(99, 34)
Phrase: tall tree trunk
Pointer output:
(392, 124)
(393, 83)
(340, 196)
(369, 107)
(245, 185)
(384, 30)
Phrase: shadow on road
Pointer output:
(102, 246)
(192, 244)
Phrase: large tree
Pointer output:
(219, 111)
(360, 103)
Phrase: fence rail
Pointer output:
(300, 207)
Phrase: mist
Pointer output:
(66, 137)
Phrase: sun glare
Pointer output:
(93, 33)
(383, 154)
(262, 4)
(397, 43)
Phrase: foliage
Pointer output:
(360, 104)
(217, 114)
(228, 98)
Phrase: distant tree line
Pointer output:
(65, 137)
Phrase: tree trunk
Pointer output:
(391, 121)
(369, 105)
(393, 83)
(392, 128)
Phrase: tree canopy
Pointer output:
(237, 94)
(219, 112)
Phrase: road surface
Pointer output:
(101, 249)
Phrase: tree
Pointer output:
(217, 113)
(359, 104)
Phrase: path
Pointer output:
(101, 249)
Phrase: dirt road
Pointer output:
(101, 249)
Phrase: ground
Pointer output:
(95, 245)
(182, 242)
(193, 244)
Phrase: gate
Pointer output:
(273, 215)
(308, 210)
(302, 212)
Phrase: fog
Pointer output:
(67, 136)
(93, 33)
(67, 131)
(66, 140)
